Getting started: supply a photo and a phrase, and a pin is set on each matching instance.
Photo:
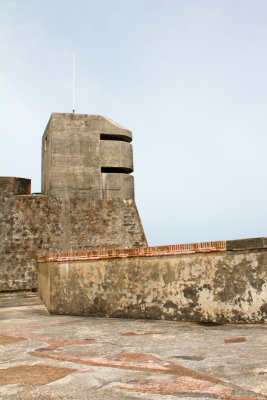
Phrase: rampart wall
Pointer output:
(34, 225)
(212, 282)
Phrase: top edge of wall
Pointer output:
(189, 248)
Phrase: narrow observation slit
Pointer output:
(116, 170)
(121, 138)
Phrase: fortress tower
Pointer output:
(87, 200)
(87, 157)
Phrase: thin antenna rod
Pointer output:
(73, 83)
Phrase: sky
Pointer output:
(187, 77)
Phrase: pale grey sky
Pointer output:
(188, 77)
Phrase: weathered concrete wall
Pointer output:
(117, 186)
(116, 154)
(203, 285)
(33, 225)
(77, 149)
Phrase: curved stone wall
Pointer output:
(116, 154)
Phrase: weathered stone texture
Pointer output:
(28, 229)
(35, 225)
(227, 286)
(11, 185)
(108, 224)
(87, 199)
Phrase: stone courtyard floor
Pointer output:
(66, 357)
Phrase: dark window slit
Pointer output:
(116, 170)
(121, 138)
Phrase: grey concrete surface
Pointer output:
(67, 357)
(116, 154)
(74, 149)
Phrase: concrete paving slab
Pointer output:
(45, 356)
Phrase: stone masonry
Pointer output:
(87, 200)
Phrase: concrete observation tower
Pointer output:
(87, 157)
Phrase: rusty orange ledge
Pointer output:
(189, 248)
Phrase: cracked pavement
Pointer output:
(68, 357)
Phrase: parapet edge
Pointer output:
(169, 250)
(15, 185)
(247, 244)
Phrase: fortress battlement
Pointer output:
(86, 201)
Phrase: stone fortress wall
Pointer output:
(85, 234)
(87, 200)
(214, 282)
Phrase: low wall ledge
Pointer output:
(247, 244)
(189, 248)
